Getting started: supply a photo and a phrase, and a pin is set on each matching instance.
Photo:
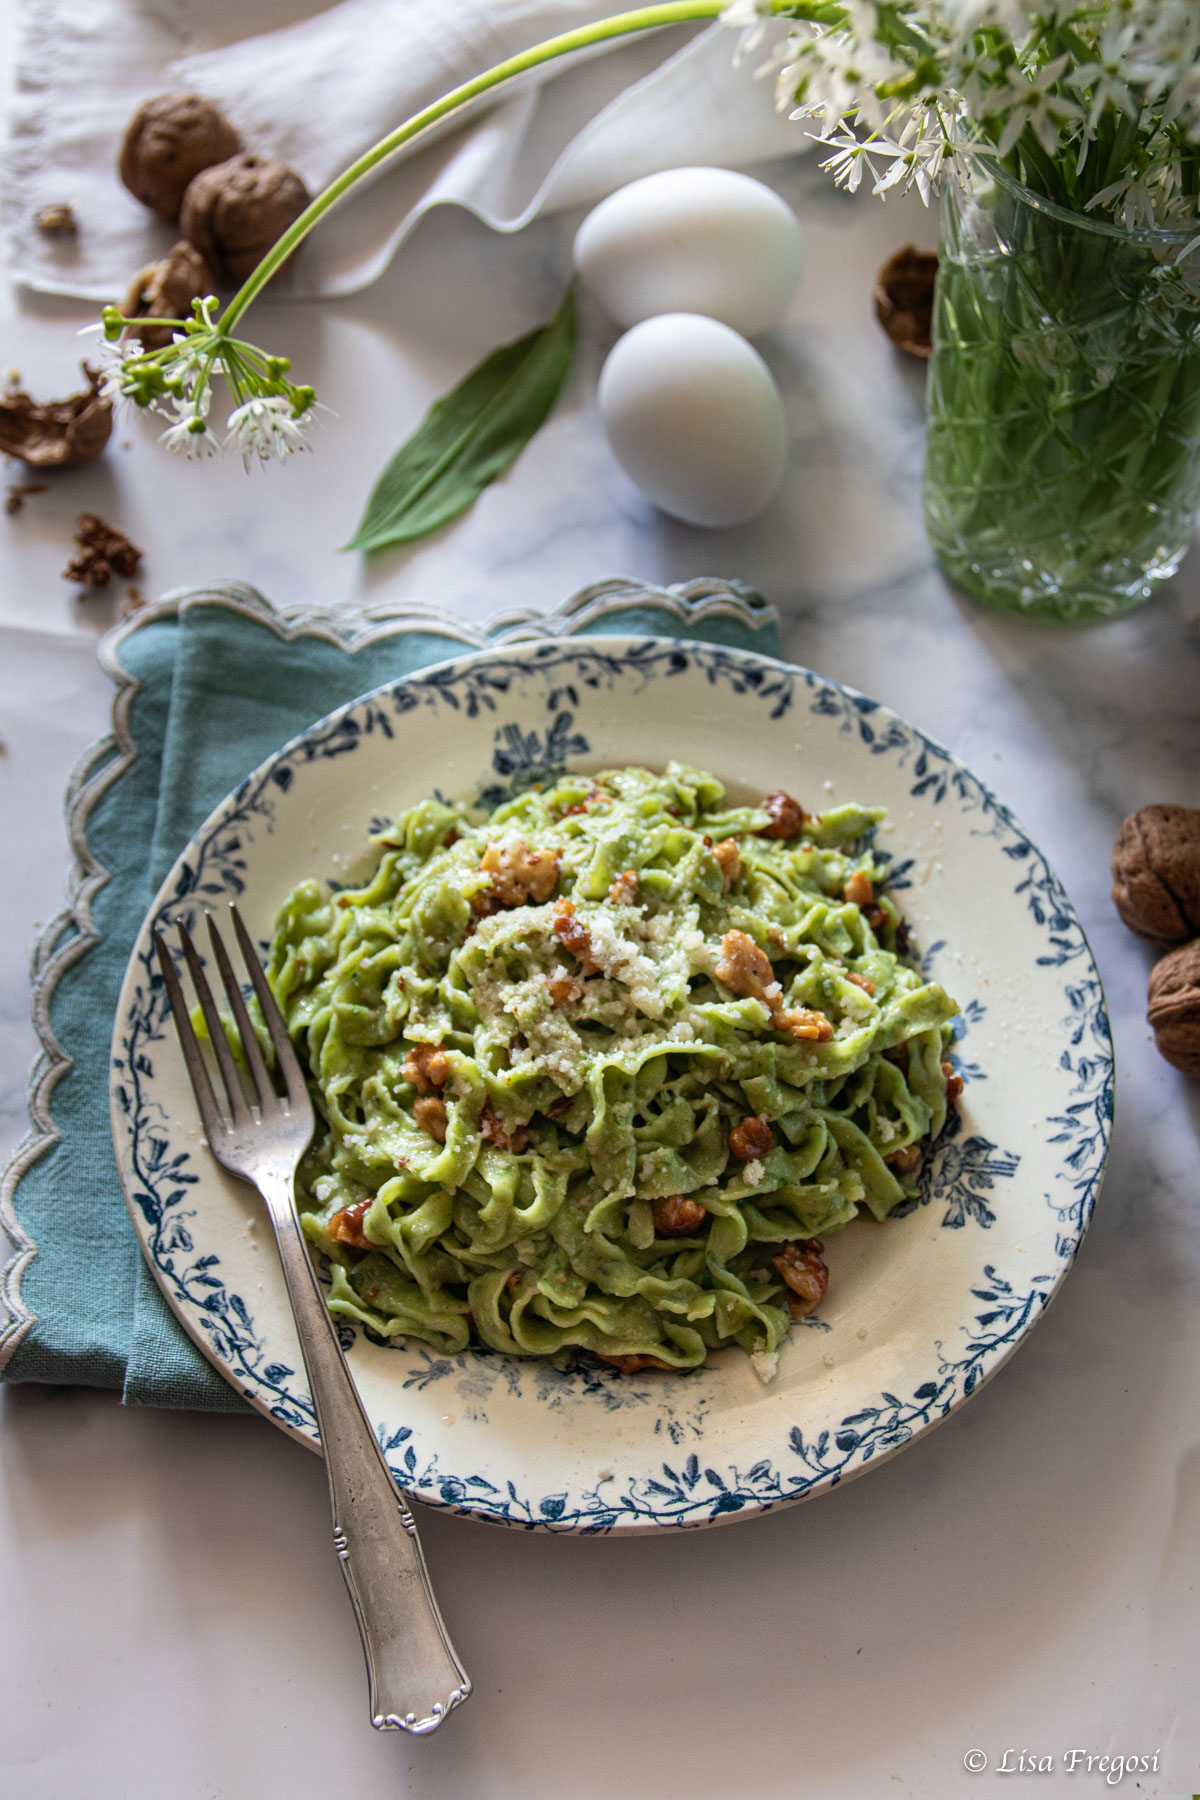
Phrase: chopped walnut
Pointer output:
(57, 221)
(904, 1162)
(751, 1140)
(868, 987)
(565, 990)
(346, 1226)
(426, 1067)
(726, 853)
(495, 1133)
(801, 1265)
(18, 493)
(519, 874)
(595, 797)
(574, 936)
(677, 1217)
(513, 1281)
(746, 970)
(954, 1083)
(105, 552)
(429, 1110)
(624, 890)
(859, 890)
(633, 1365)
(812, 1027)
(787, 816)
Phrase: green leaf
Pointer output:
(469, 436)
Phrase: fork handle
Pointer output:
(415, 1675)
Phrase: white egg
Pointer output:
(693, 417)
(692, 240)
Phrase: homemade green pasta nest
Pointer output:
(601, 1070)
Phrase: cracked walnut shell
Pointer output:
(904, 299)
(1156, 873)
(1173, 1007)
(56, 434)
(165, 290)
(234, 212)
(168, 141)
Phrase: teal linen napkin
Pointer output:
(209, 683)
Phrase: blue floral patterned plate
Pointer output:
(920, 1310)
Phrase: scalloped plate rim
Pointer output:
(615, 646)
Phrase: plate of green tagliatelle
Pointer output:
(713, 1081)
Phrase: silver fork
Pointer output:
(415, 1676)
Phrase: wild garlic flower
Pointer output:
(110, 360)
(835, 75)
(1032, 101)
(190, 436)
(270, 412)
(1106, 80)
(852, 159)
(265, 427)
(750, 19)
(1094, 103)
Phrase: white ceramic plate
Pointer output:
(920, 1311)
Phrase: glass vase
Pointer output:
(1062, 471)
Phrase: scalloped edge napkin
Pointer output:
(209, 682)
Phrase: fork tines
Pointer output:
(239, 1111)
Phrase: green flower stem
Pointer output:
(643, 18)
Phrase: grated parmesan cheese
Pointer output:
(855, 1002)
(619, 958)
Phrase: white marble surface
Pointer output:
(1028, 1579)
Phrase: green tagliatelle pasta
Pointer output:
(595, 1071)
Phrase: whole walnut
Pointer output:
(166, 144)
(234, 212)
(165, 290)
(1174, 1007)
(1156, 873)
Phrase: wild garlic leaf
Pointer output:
(469, 436)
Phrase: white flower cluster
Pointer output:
(1097, 105)
(271, 414)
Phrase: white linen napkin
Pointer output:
(317, 86)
